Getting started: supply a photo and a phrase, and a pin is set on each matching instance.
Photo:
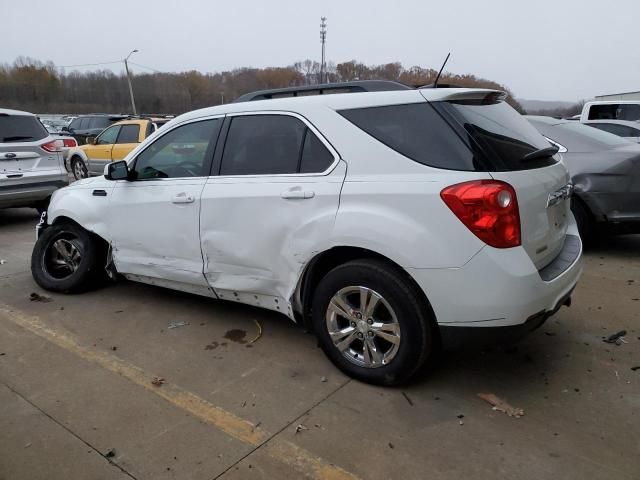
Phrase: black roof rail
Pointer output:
(323, 88)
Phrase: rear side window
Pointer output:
(21, 128)
(416, 131)
(99, 122)
(315, 156)
(263, 145)
(129, 134)
(75, 124)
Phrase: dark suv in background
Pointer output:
(91, 125)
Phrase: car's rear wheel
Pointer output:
(371, 323)
(67, 258)
(78, 168)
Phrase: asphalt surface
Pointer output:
(78, 397)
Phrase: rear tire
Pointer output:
(78, 168)
(384, 342)
(67, 258)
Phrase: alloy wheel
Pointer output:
(63, 257)
(363, 326)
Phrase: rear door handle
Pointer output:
(297, 194)
(183, 198)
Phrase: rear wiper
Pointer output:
(541, 153)
(16, 137)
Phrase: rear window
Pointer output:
(416, 131)
(21, 128)
(497, 133)
(614, 111)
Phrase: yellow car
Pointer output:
(113, 143)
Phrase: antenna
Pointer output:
(435, 84)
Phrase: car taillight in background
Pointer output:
(67, 142)
(51, 146)
(489, 208)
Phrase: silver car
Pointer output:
(622, 128)
(605, 170)
(31, 163)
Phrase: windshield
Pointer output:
(21, 128)
(501, 134)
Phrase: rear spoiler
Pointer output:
(467, 95)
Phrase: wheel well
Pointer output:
(324, 262)
(66, 220)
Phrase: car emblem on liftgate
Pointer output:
(561, 194)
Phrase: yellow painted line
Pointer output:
(238, 428)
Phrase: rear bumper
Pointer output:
(500, 289)
(29, 190)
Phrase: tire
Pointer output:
(78, 168)
(398, 308)
(82, 266)
(583, 219)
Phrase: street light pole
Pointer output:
(126, 66)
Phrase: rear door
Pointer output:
(129, 137)
(274, 200)
(99, 154)
(503, 141)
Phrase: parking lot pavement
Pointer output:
(78, 400)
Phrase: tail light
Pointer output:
(488, 208)
(51, 146)
(69, 142)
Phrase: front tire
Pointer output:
(67, 258)
(371, 323)
(79, 169)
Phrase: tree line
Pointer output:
(41, 87)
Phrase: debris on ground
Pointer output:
(158, 381)
(632, 368)
(178, 324)
(391, 445)
(2, 261)
(256, 426)
(36, 297)
(617, 338)
(27, 445)
(300, 427)
(257, 337)
(114, 348)
(110, 453)
(323, 379)
(407, 398)
(501, 406)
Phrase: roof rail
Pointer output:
(324, 88)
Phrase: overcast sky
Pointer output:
(543, 49)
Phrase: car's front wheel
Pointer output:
(78, 168)
(371, 323)
(67, 258)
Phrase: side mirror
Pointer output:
(116, 171)
(91, 140)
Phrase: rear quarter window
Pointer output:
(416, 131)
(21, 128)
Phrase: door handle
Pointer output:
(297, 194)
(183, 198)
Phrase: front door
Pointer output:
(99, 154)
(273, 203)
(155, 216)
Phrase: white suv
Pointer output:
(390, 223)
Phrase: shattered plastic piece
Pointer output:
(110, 453)
(2, 261)
(257, 337)
(158, 381)
(36, 297)
(178, 324)
(616, 338)
(501, 406)
(300, 427)
(323, 379)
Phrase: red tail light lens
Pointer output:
(488, 208)
(69, 142)
(50, 146)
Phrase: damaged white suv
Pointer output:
(391, 222)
